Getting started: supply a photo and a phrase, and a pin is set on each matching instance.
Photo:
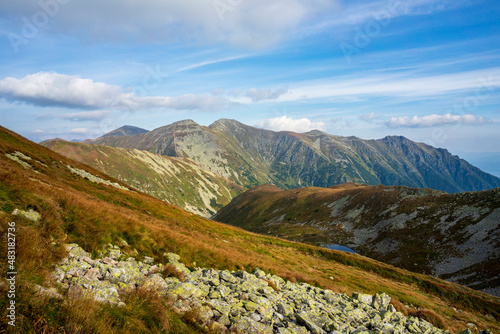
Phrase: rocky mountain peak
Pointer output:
(315, 133)
(126, 130)
(185, 122)
(225, 123)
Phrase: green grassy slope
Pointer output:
(178, 181)
(73, 208)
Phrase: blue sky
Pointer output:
(426, 69)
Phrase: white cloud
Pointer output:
(368, 117)
(246, 23)
(60, 90)
(435, 120)
(265, 94)
(80, 131)
(284, 123)
(54, 89)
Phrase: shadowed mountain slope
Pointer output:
(250, 157)
(455, 237)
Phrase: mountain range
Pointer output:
(54, 201)
(452, 236)
(251, 156)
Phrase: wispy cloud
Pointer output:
(209, 62)
(95, 115)
(257, 94)
(284, 123)
(368, 116)
(359, 13)
(80, 131)
(390, 85)
(435, 120)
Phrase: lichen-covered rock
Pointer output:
(236, 302)
(156, 283)
(367, 299)
(93, 274)
(77, 252)
(173, 260)
(188, 291)
(313, 321)
(250, 326)
(381, 301)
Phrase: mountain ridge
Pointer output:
(250, 156)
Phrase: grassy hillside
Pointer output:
(82, 205)
(455, 237)
(178, 181)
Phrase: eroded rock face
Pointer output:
(238, 302)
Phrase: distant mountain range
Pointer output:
(454, 237)
(178, 181)
(250, 157)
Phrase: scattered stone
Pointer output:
(367, 299)
(465, 331)
(49, 293)
(108, 260)
(93, 274)
(30, 214)
(234, 302)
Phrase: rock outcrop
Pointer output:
(233, 302)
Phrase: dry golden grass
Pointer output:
(399, 306)
(429, 316)
(92, 215)
(171, 271)
(271, 285)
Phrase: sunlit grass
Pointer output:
(75, 210)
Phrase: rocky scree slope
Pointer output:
(250, 157)
(178, 181)
(232, 302)
(454, 237)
